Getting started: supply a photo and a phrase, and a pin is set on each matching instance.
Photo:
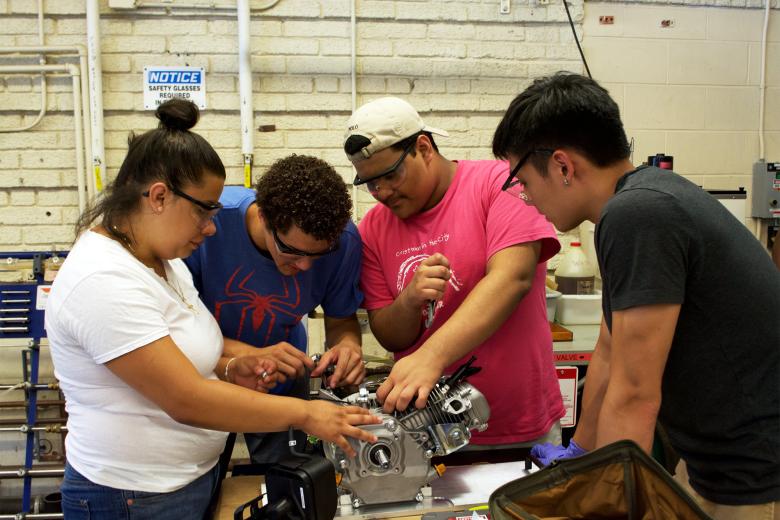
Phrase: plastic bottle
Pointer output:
(575, 275)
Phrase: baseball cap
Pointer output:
(384, 122)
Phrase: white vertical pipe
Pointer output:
(245, 89)
(96, 94)
(353, 53)
(81, 174)
(42, 61)
(83, 77)
(353, 82)
(762, 84)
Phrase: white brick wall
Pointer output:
(689, 90)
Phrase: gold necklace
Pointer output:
(180, 294)
(127, 245)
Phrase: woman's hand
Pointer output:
(334, 423)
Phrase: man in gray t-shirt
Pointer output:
(690, 335)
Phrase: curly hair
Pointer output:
(307, 192)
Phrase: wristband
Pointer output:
(227, 367)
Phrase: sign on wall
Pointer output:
(567, 378)
(164, 83)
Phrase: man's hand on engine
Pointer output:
(548, 452)
(348, 369)
(414, 375)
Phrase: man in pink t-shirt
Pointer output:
(453, 267)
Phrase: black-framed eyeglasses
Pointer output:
(206, 205)
(371, 184)
(513, 185)
(210, 208)
(290, 250)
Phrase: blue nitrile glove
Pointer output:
(548, 452)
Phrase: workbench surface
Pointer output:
(463, 486)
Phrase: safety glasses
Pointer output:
(290, 250)
(392, 177)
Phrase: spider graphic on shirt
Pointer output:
(261, 307)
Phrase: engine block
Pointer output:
(398, 466)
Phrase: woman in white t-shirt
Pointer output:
(150, 384)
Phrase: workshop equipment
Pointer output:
(300, 487)
(661, 160)
(766, 190)
(398, 466)
(25, 281)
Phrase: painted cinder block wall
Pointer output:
(690, 90)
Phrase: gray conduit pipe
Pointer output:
(25, 385)
(75, 75)
(81, 51)
(23, 472)
(42, 111)
(24, 428)
(33, 516)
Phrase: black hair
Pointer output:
(404, 143)
(307, 192)
(564, 109)
(355, 143)
(170, 153)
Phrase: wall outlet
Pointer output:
(606, 20)
(505, 6)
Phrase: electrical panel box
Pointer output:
(766, 190)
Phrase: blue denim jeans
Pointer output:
(85, 500)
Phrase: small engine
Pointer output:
(397, 467)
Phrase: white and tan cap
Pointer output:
(384, 122)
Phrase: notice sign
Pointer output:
(164, 83)
(567, 377)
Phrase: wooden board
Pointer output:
(560, 333)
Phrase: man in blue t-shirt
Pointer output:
(280, 251)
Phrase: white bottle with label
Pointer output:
(575, 275)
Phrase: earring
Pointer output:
(565, 181)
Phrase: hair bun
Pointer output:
(177, 114)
